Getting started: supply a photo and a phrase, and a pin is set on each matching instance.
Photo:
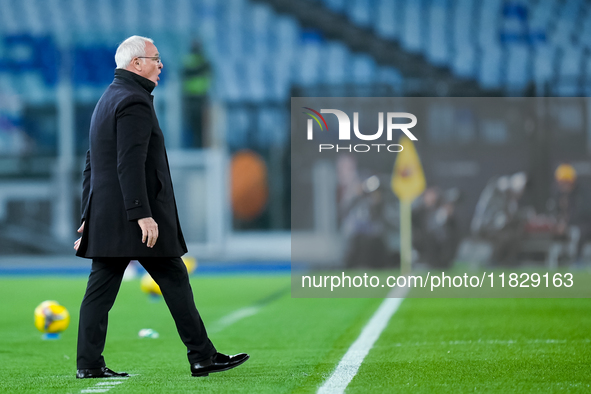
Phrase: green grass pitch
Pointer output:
(429, 346)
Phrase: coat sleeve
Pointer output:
(134, 127)
(85, 187)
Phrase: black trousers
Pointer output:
(103, 285)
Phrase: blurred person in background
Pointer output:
(196, 81)
(571, 209)
(505, 217)
(129, 213)
(349, 184)
(368, 220)
(435, 229)
(423, 217)
(512, 219)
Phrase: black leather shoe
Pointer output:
(103, 372)
(217, 363)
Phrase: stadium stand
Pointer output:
(263, 52)
(257, 54)
(503, 44)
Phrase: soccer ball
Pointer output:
(51, 317)
(190, 263)
(149, 286)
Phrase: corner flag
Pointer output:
(408, 179)
(408, 182)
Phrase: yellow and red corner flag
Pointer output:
(408, 182)
(408, 179)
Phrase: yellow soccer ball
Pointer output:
(149, 286)
(190, 263)
(51, 317)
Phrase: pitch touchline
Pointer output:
(245, 312)
(351, 361)
(494, 342)
(228, 320)
(104, 385)
(234, 317)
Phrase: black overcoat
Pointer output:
(127, 176)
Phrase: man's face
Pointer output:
(151, 68)
(566, 186)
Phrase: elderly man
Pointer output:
(129, 213)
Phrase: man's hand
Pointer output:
(77, 243)
(149, 231)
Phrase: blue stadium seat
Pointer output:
(389, 76)
(270, 135)
(363, 69)
(563, 33)
(544, 63)
(337, 6)
(463, 18)
(438, 36)
(228, 86)
(488, 23)
(588, 69)
(260, 26)
(491, 61)
(412, 38)
(570, 64)
(585, 35)
(287, 33)
(228, 41)
(279, 78)
(34, 19)
(463, 57)
(240, 121)
(37, 93)
(307, 65)
(518, 60)
(254, 79)
(514, 26)
(388, 19)
(9, 24)
(542, 14)
(23, 52)
(464, 61)
(337, 62)
(361, 12)
(8, 82)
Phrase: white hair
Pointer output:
(134, 46)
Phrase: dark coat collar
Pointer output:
(135, 78)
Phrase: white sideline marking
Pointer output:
(228, 320)
(234, 317)
(242, 313)
(351, 361)
(494, 342)
(106, 385)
